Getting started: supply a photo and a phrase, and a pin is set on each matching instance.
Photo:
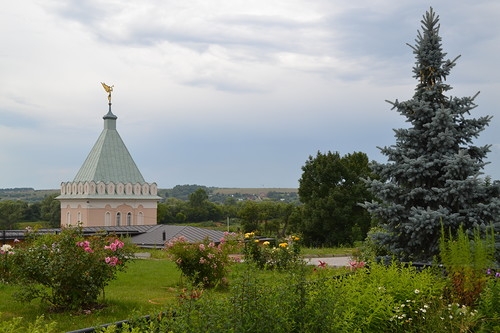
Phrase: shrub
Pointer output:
(266, 255)
(67, 270)
(203, 263)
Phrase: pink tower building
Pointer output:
(109, 189)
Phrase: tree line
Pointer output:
(14, 211)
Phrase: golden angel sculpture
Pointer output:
(109, 90)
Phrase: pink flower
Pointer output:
(111, 261)
(83, 244)
(202, 247)
(202, 260)
(356, 264)
(322, 264)
(117, 244)
(111, 247)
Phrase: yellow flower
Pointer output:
(283, 245)
(266, 243)
(256, 241)
(295, 238)
(249, 235)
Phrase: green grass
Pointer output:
(144, 288)
(327, 251)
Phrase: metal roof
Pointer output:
(109, 160)
(163, 233)
(147, 236)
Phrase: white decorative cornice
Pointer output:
(108, 190)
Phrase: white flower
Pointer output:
(6, 248)
(417, 291)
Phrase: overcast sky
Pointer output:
(224, 93)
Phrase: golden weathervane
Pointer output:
(109, 90)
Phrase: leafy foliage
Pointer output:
(466, 262)
(67, 270)
(203, 263)
(331, 188)
(6, 263)
(281, 255)
(16, 325)
(433, 169)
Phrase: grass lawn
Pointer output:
(144, 288)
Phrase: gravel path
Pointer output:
(330, 261)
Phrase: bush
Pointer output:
(203, 263)
(67, 270)
(266, 255)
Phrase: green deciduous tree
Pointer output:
(11, 212)
(50, 210)
(331, 188)
(432, 174)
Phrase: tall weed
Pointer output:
(466, 261)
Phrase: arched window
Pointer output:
(118, 219)
(140, 218)
(68, 218)
(79, 219)
(107, 219)
(129, 218)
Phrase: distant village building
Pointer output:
(109, 189)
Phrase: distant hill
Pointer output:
(29, 194)
(255, 191)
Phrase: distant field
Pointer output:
(32, 195)
(253, 190)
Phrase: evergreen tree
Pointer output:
(433, 171)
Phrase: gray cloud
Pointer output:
(250, 89)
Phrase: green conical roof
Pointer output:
(109, 160)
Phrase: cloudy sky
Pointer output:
(224, 93)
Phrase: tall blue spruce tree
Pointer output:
(433, 172)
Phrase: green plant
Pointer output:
(489, 303)
(16, 325)
(283, 255)
(466, 261)
(6, 261)
(204, 262)
(67, 270)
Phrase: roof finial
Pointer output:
(109, 90)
